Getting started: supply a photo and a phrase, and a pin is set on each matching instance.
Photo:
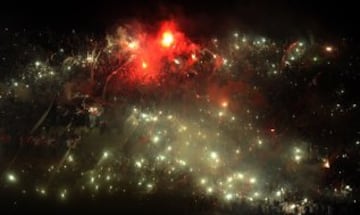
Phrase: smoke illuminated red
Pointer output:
(151, 52)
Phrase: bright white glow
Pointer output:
(42, 191)
(252, 180)
(138, 164)
(213, 155)
(240, 176)
(156, 139)
(11, 178)
(70, 158)
(203, 181)
(228, 196)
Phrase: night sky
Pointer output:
(279, 16)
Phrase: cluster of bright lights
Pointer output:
(214, 141)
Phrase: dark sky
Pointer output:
(271, 17)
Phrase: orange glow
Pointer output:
(326, 164)
(144, 65)
(224, 104)
(193, 56)
(329, 49)
(167, 39)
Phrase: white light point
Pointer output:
(138, 164)
(11, 178)
(213, 155)
(203, 181)
(63, 194)
(252, 180)
(182, 162)
(329, 49)
(105, 155)
(156, 139)
(161, 157)
(240, 176)
(70, 158)
(43, 191)
(228, 196)
(90, 59)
